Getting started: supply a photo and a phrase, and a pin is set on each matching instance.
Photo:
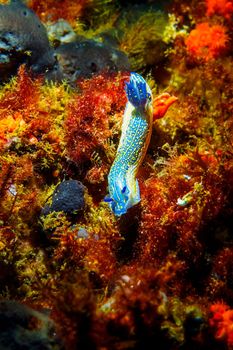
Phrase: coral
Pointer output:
(221, 321)
(207, 42)
(220, 7)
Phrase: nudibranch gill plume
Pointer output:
(135, 137)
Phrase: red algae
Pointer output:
(90, 253)
(24, 97)
(90, 115)
(178, 205)
(51, 11)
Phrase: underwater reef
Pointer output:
(116, 175)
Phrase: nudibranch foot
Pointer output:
(120, 207)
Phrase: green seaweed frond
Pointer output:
(54, 220)
(172, 29)
(100, 17)
(90, 32)
(99, 11)
(9, 86)
(143, 39)
(99, 218)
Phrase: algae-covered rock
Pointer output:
(86, 58)
(67, 197)
(23, 40)
(22, 328)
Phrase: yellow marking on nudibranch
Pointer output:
(135, 137)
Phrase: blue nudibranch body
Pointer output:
(135, 137)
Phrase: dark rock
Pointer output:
(22, 328)
(86, 58)
(67, 197)
(24, 40)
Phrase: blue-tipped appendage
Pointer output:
(136, 91)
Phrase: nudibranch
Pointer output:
(135, 137)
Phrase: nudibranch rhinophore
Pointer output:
(135, 137)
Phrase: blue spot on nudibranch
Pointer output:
(108, 199)
(123, 189)
(122, 183)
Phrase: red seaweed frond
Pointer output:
(23, 96)
(90, 253)
(175, 205)
(51, 11)
(90, 115)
